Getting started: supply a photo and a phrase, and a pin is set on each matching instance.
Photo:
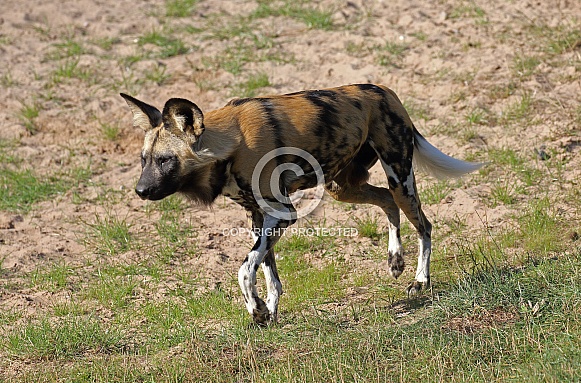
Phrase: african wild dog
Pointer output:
(346, 129)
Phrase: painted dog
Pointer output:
(345, 129)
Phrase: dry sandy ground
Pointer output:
(459, 66)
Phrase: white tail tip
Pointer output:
(431, 160)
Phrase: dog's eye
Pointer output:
(165, 162)
(142, 161)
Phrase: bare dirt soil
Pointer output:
(479, 79)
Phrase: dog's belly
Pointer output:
(325, 174)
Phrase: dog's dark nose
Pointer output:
(142, 191)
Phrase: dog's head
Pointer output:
(169, 148)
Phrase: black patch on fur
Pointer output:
(421, 230)
(273, 121)
(328, 121)
(245, 198)
(358, 174)
(372, 88)
(394, 118)
(269, 258)
(394, 157)
(241, 183)
(366, 156)
(321, 93)
(270, 261)
(257, 244)
(392, 183)
(277, 127)
(240, 101)
(218, 178)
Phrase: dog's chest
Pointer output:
(233, 190)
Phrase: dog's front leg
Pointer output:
(273, 285)
(265, 239)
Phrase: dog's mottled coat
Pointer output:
(346, 129)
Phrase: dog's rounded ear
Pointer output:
(145, 116)
(181, 115)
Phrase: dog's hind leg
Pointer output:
(402, 185)
(382, 198)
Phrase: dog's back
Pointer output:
(334, 125)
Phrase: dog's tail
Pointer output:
(431, 160)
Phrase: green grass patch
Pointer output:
(180, 8)
(244, 51)
(496, 324)
(416, 111)
(7, 79)
(70, 69)
(436, 192)
(217, 304)
(502, 91)
(249, 87)
(507, 156)
(70, 337)
(108, 234)
(157, 74)
(299, 10)
(469, 10)
(10, 316)
(505, 192)
(166, 46)
(176, 236)
(21, 189)
(110, 131)
(520, 165)
(52, 278)
(390, 54)
(7, 156)
(220, 29)
(525, 66)
(168, 206)
(538, 230)
(66, 49)
(302, 243)
(478, 116)
(106, 43)
(559, 40)
(368, 226)
(27, 114)
(308, 285)
(111, 290)
(168, 321)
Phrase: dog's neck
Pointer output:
(220, 139)
(214, 149)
